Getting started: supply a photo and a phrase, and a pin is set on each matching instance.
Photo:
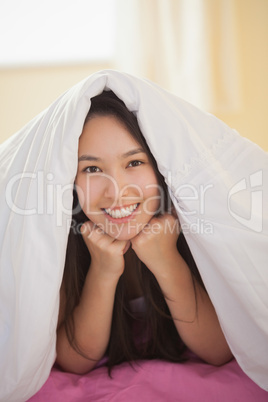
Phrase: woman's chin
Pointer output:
(124, 237)
(123, 232)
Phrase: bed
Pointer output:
(156, 381)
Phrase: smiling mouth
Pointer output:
(121, 212)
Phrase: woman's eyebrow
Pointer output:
(133, 152)
(88, 158)
(125, 155)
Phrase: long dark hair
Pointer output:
(157, 332)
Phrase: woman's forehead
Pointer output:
(106, 133)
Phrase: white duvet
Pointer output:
(218, 182)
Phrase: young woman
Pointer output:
(131, 289)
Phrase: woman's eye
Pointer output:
(92, 169)
(135, 163)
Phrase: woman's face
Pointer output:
(116, 184)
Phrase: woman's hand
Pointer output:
(93, 314)
(107, 253)
(156, 244)
(156, 247)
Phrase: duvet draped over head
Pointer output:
(218, 182)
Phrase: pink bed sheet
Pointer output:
(155, 381)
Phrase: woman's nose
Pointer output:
(116, 187)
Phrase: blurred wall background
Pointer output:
(213, 53)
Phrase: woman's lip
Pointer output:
(121, 206)
(125, 218)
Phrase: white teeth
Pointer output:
(121, 213)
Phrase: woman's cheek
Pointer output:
(85, 196)
(152, 204)
(151, 194)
